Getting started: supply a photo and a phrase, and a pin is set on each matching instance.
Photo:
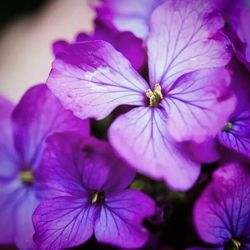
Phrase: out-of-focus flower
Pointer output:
(222, 213)
(239, 19)
(128, 15)
(125, 42)
(24, 129)
(186, 99)
(88, 184)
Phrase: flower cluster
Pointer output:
(140, 137)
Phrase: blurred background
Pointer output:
(27, 29)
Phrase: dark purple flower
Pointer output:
(88, 191)
(24, 129)
(128, 15)
(185, 99)
(222, 213)
(125, 42)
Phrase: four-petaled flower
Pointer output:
(87, 184)
(186, 99)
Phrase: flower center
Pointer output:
(97, 197)
(155, 96)
(228, 126)
(232, 245)
(27, 177)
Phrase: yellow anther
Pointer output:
(155, 96)
(26, 177)
(228, 126)
(97, 197)
(236, 244)
(94, 198)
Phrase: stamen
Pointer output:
(97, 197)
(228, 126)
(233, 245)
(155, 96)
(27, 177)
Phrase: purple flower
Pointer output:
(239, 23)
(222, 213)
(125, 42)
(24, 129)
(235, 135)
(128, 15)
(186, 99)
(88, 191)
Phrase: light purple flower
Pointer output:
(88, 191)
(222, 213)
(128, 15)
(125, 42)
(186, 99)
(24, 129)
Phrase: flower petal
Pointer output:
(128, 15)
(198, 105)
(11, 193)
(140, 136)
(24, 210)
(8, 159)
(83, 164)
(38, 115)
(92, 78)
(125, 42)
(180, 40)
(222, 212)
(63, 222)
(120, 219)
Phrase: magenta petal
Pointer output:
(92, 78)
(63, 222)
(24, 229)
(8, 158)
(198, 106)
(38, 115)
(125, 42)
(205, 152)
(140, 136)
(184, 29)
(121, 217)
(222, 211)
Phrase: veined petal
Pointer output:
(38, 115)
(120, 219)
(222, 212)
(63, 222)
(83, 164)
(237, 138)
(198, 105)
(92, 78)
(180, 40)
(141, 137)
